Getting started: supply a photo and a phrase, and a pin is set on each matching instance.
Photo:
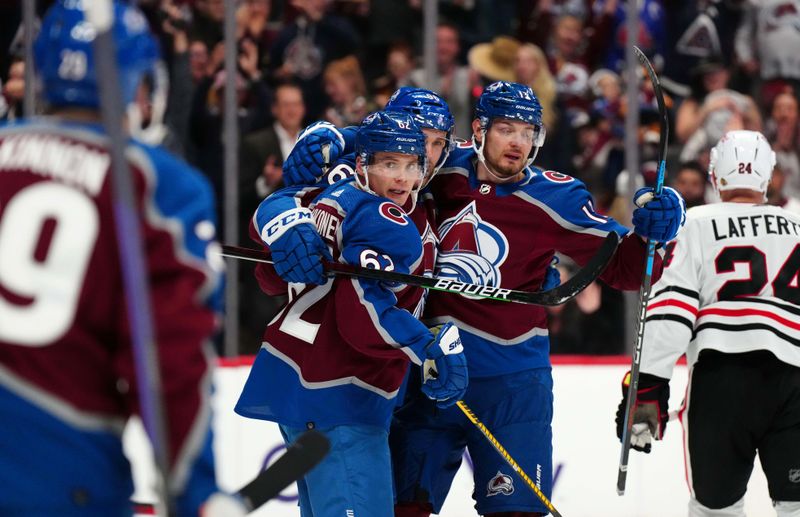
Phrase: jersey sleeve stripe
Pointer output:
(748, 326)
(681, 290)
(738, 313)
(672, 317)
(673, 303)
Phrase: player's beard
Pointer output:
(504, 167)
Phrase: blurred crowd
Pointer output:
(724, 64)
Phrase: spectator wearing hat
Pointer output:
(454, 81)
(495, 61)
(530, 68)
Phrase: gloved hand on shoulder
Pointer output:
(309, 159)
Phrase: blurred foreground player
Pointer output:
(67, 383)
(730, 300)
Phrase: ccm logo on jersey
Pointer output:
(557, 177)
(459, 287)
(393, 213)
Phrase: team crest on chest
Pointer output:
(471, 250)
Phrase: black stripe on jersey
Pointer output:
(748, 326)
(679, 290)
(671, 317)
(786, 307)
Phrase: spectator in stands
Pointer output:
(782, 129)
(304, 48)
(767, 42)
(263, 152)
(711, 111)
(454, 80)
(530, 68)
(207, 20)
(495, 61)
(691, 181)
(206, 118)
(252, 19)
(399, 65)
(776, 192)
(347, 91)
(14, 90)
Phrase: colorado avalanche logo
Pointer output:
(500, 484)
(471, 249)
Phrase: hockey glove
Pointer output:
(650, 412)
(658, 218)
(308, 160)
(444, 371)
(297, 249)
(552, 277)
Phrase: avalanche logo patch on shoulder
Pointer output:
(500, 484)
(393, 213)
(557, 177)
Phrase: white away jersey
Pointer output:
(730, 283)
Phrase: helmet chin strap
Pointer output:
(482, 159)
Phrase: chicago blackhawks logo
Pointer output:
(471, 249)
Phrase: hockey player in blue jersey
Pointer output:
(500, 222)
(335, 357)
(67, 378)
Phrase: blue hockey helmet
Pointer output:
(512, 101)
(63, 53)
(429, 111)
(389, 132)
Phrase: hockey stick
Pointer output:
(555, 296)
(100, 13)
(647, 277)
(506, 456)
(300, 457)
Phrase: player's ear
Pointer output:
(476, 130)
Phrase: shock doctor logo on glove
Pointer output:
(500, 484)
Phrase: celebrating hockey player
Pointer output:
(67, 376)
(335, 357)
(729, 299)
(500, 221)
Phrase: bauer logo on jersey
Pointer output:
(393, 213)
(500, 484)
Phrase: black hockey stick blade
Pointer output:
(555, 296)
(302, 456)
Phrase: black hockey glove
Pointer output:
(650, 413)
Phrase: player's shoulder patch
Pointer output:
(557, 177)
(393, 213)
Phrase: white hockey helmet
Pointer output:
(741, 160)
